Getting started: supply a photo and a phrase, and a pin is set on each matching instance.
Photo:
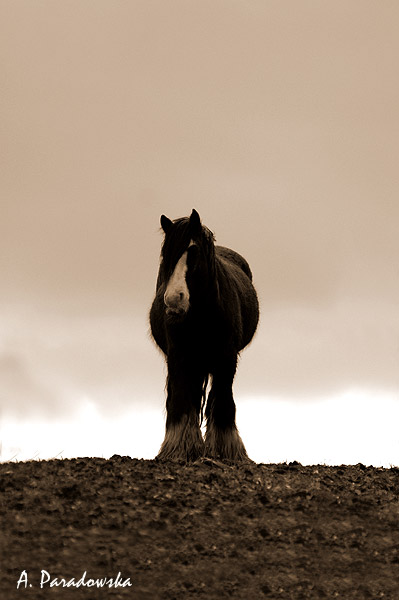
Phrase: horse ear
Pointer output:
(166, 223)
(195, 222)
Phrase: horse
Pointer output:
(205, 311)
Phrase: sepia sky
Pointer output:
(279, 123)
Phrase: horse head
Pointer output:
(185, 255)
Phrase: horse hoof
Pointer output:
(225, 444)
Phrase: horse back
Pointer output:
(237, 296)
(233, 257)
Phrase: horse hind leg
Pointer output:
(222, 439)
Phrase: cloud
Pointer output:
(286, 143)
(23, 393)
(309, 353)
(50, 363)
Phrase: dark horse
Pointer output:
(205, 311)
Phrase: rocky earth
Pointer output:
(141, 529)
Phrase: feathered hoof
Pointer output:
(225, 444)
(183, 441)
(179, 454)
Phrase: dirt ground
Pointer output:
(207, 530)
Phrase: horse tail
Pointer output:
(203, 398)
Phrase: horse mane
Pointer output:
(175, 243)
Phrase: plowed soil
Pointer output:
(206, 530)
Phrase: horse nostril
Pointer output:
(174, 300)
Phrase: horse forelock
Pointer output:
(179, 238)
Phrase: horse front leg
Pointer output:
(222, 439)
(183, 438)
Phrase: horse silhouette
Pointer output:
(204, 313)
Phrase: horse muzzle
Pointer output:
(177, 305)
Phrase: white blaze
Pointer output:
(177, 296)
